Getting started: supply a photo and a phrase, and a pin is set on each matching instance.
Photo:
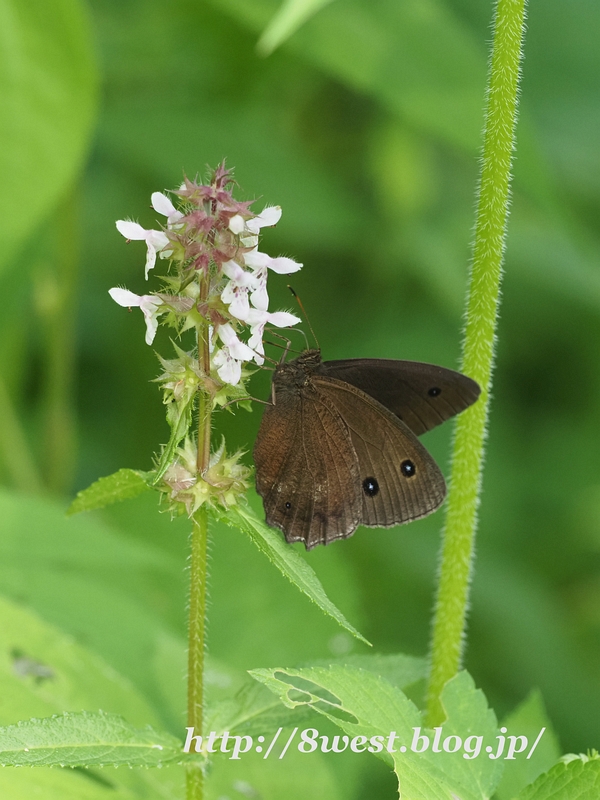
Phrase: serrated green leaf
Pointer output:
(361, 703)
(122, 485)
(577, 780)
(287, 561)
(84, 740)
(290, 16)
(48, 87)
(399, 669)
(467, 715)
(253, 711)
(527, 720)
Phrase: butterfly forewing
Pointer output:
(400, 481)
(421, 395)
(307, 470)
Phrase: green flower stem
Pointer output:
(204, 399)
(196, 641)
(59, 323)
(199, 569)
(478, 352)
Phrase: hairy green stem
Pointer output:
(478, 351)
(196, 641)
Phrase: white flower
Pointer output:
(237, 348)
(156, 241)
(229, 369)
(235, 293)
(259, 263)
(162, 204)
(257, 320)
(229, 358)
(237, 224)
(150, 305)
(268, 217)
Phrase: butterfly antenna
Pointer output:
(305, 315)
(288, 344)
(291, 330)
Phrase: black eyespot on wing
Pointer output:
(434, 392)
(370, 487)
(407, 468)
(288, 505)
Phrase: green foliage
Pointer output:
(122, 485)
(85, 740)
(528, 719)
(44, 672)
(288, 562)
(48, 85)
(288, 778)
(577, 780)
(414, 57)
(291, 15)
(253, 709)
(363, 704)
(364, 125)
(127, 484)
(57, 784)
(98, 587)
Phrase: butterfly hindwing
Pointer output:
(400, 481)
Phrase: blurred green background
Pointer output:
(364, 126)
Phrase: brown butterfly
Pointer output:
(338, 446)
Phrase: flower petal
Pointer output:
(226, 334)
(237, 224)
(268, 217)
(260, 297)
(124, 297)
(237, 348)
(240, 306)
(283, 265)
(130, 230)
(257, 316)
(238, 275)
(283, 319)
(151, 327)
(162, 204)
(256, 259)
(155, 242)
(149, 304)
(228, 369)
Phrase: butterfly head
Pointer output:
(293, 375)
